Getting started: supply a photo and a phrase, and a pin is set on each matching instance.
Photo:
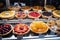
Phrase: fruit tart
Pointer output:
(46, 14)
(49, 7)
(34, 15)
(37, 8)
(51, 23)
(5, 29)
(26, 8)
(58, 23)
(39, 27)
(7, 14)
(21, 29)
(56, 13)
(20, 15)
(14, 8)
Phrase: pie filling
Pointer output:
(21, 28)
(4, 28)
(47, 13)
(34, 14)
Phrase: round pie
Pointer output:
(46, 14)
(26, 8)
(39, 27)
(37, 8)
(7, 14)
(49, 7)
(20, 15)
(14, 8)
(58, 23)
(21, 29)
(34, 15)
(5, 29)
(56, 13)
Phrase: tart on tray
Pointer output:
(21, 29)
(37, 8)
(51, 23)
(5, 29)
(49, 7)
(26, 8)
(56, 13)
(46, 14)
(14, 8)
(7, 14)
(34, 14)
(39, 27)
(20, 15)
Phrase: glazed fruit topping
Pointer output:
(47, 13)
(34, 14)
(4, 28)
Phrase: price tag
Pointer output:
(39, 11)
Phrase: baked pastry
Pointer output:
(5, 29)
(14, 8)
(46, 14)
(7, 14)
(21, 29)
(34, 15)
(20, 15)
(36, 8)
(58, 23)
(39, 27)
(51, 23)
(26, 8)
(56, 13)
(49, 7)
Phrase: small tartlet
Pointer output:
(34, 14)
(56, 13)
(14, 8)
(7, 14)
(21, 29)
(39, 27)
(36, 8)
(26, 8)
(49, 7)
(20, 15)
(7, 29)
(46, 14)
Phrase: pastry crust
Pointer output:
(46, 16)
(36, 27)
(14, 8)
(7, 14)
(34, 17)
(21, 33)
(21, 15)
(7, 32)
(37, 8)
(55, 13)
(49, 7)
(26, 8)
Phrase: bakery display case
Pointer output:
(30, 20)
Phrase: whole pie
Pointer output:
(34, 15)
(7, 14)
(14, 8)
(21, 29)
(56, 13)
(20, 15)
(37, 8)
(26, 8)
(49, 7)
(39, 27)
(5, 29)
(46, 14)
